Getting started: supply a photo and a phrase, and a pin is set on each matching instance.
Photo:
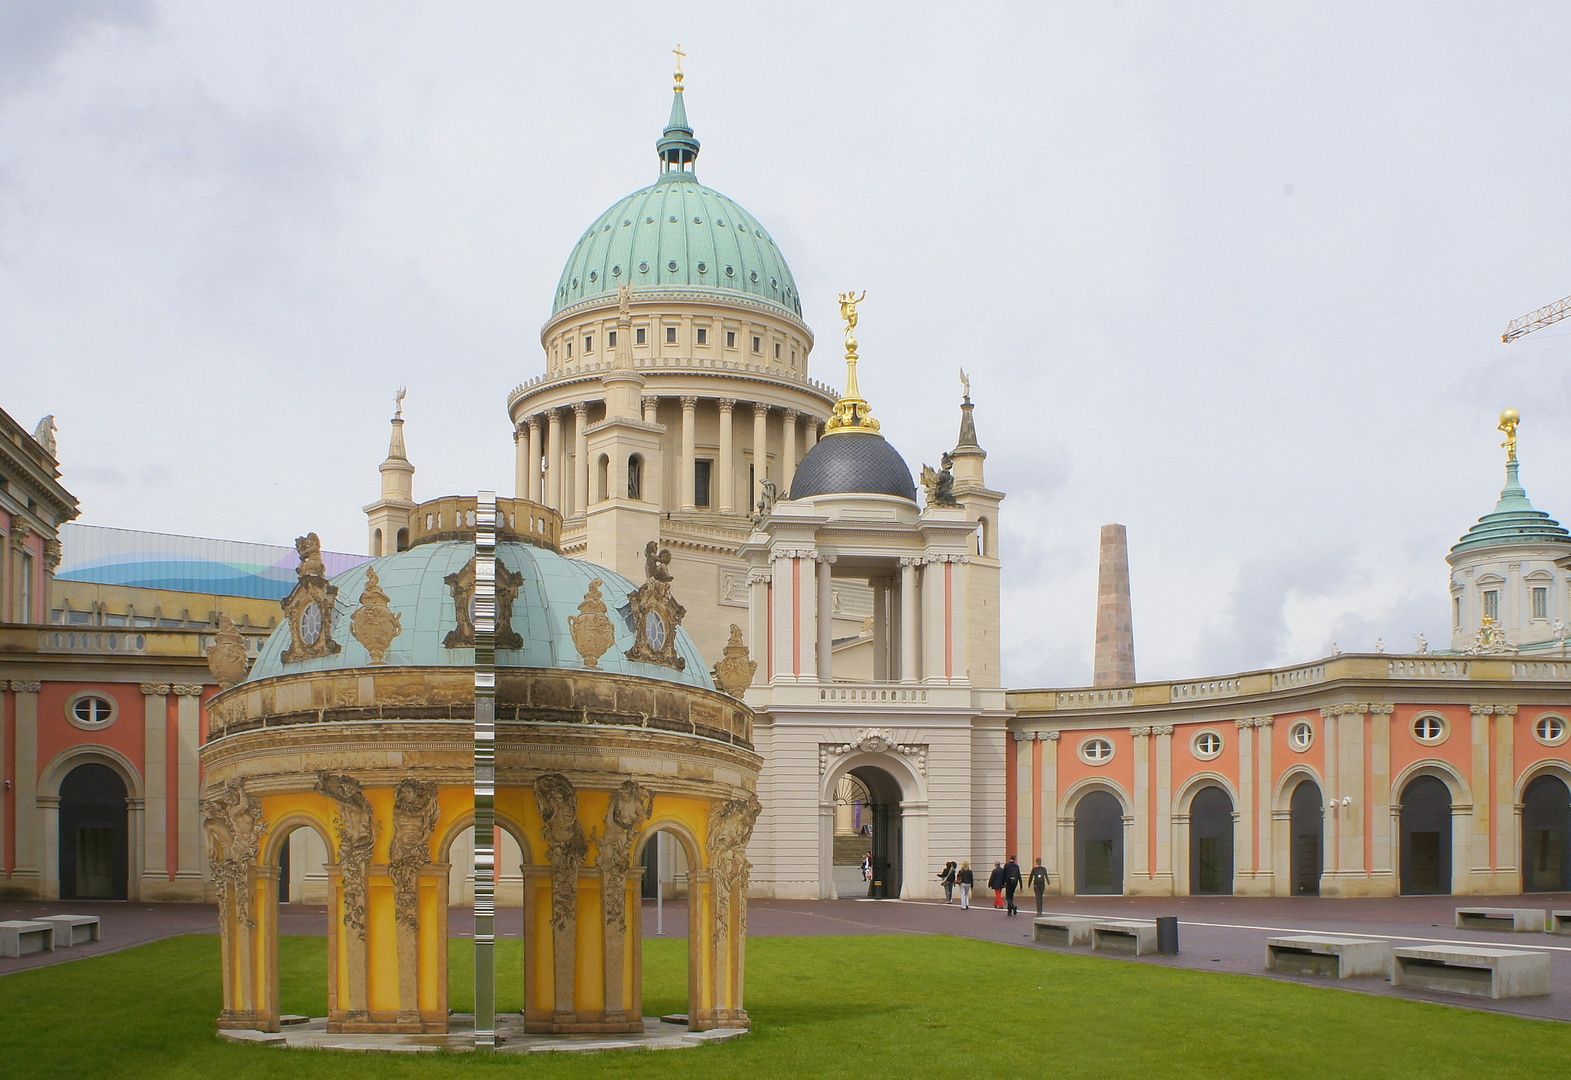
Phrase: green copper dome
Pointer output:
(1514, 521)
(676, 234)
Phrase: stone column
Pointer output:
(956, 614)
(1382, 866)
(1162, 873)
(726, 466)
(787, 449)
(880, 629)
(1508, 849)
(581, 457)
(188, 746)
(933, 640)
(553, 479)
(533, 491)
(689, 439)
(155, 784)
(810, 436)
(760, 449)
(1265, 784)
(758, 624)
(1137, 852)
(909, 671)
(30, 860)
(651, 406)
(1051, 862)
(826, 621)
(1244, 818)
(49, 830)
(520, 464)
(1025, 785)
(1330, 846)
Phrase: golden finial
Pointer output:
(1508, 422)
(679, 55)
(851, 412)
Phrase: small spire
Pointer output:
(677, 147)
(395, 445)
(967, 424)
(851, 412)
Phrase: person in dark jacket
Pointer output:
(1038, 882)
(965, 879)
(1011, 879)
(995, 881)
(946, 878)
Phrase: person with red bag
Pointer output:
(995, 881)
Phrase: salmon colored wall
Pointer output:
(1121, 770)
(1186, 765)
(56, 734)
(1284, 757)
(1457, 750)
(1527, 750)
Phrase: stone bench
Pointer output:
(25, 937)
(73, 929)
(1559, 922)
(1509, 919)
(1480, 972)
(1333, 957)
(1130, 937)
(1062, 929)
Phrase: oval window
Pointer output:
(1301, 736)
(1096, 751)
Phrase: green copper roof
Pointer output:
(1514, 521)
(677, 234)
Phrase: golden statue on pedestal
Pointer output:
(1508, 422)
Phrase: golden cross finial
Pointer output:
(679, 55)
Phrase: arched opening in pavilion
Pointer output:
(1211, 843)
(1426, 837)
(1307, 822)
(94, 850)
(1546, 836)
(1099, 845)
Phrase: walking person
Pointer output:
(946, 878)
(1038, 883)
(995, 881)
(965, 879)
(1011, 879)
(867, 871)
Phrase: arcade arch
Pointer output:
(1546, 834)
(91, 802)
(1098, 813)
(897, 808)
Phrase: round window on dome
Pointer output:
(575, 283)
(643, 268)
(730, 271)
(721, 224)
(672, 219)
(626, 222)
(594, 275)
(703, 268)
(649, 221)
(698, 221)
(606, 227)
(773, 284)
(753, 275)
(671, 266)
(616, 271)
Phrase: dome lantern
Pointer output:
(677, 147)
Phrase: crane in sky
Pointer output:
(1537, 320)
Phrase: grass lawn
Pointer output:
(858, 1007)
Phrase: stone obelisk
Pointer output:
(1115, 625)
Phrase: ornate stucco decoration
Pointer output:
(233, 818)
(656, 614)
(53, 553)
(375, 624)
(462, 584)
(1490, 640)
(566, 845)
(593, 633)
(734, 671)
(309, 606)
(226, 656)
(730, 828)
(631, 805)
(356, 826)
(415, 813)
(873, 741)
(940, 483)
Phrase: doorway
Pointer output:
(882, 833)
(1211, 843)
(1546, 836)
(93, 834)
(1426, 837)
(667, 965)
(1099, 845)
(1308, 828)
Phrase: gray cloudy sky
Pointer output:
(1233, 275)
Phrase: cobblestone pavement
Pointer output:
(1216, 933)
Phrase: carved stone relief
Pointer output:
(309, 606)
(375, 624)
(462, 584)
(566, 844)
(734, 671)
(593, 633)
(631, 805)
(730, 828)
(234, 845)
(415, 813)
(226, 657)
(656, 614)
(356, 824)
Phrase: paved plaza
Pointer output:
(1219, 933)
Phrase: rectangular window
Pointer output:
(670, 335)
(610, 339)
(638, 336)
(589, 343)
(703, 336)
(569, 350)
(1492, 605)
(758, 344)
(751, 483)
(26, 591)
(1456, 612)
(701, 471)
(730, 339)
(1540, 603)
(777, 350)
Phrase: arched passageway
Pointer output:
(1426, 837)
(94, 851)
(882, 814)
(1546, 836)
(1099, 845)
(1307, 822)
(1211, 843)
(666, 963)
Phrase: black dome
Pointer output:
(852, 463)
